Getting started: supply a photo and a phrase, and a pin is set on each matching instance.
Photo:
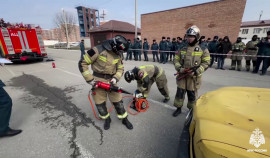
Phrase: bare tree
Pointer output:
(65, 21)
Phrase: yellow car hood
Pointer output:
(225, 119)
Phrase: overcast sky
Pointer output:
(42, 12)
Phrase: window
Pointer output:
(266, 29)
(245, 31)
(257, 30)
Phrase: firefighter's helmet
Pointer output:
(129, 76)
(193, 31)
(119, 43)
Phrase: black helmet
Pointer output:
(239, 39)
(119, 43)
(129, 76)
(193, 31)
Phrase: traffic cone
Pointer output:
(53, 64)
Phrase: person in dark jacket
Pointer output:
(212, 47)
(179, 43)
(137, 46)
(264, 50)
(202, 42)
(82, 48)
(129, 51)
(145, 48)
(169, 48)
(154, 49)
(173, 49)
(208, 41)
(224, 47)
(5, 113)
(162, 48)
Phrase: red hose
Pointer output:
(137, 105)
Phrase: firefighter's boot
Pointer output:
(107, 123)
(127, 123)
(177, 112)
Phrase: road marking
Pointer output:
(66, 71)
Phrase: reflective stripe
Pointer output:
(144, 75)
(145, 66)
(104, 59)
(104, 117)
(206, 59)
(177, 57)
(197, 53)
(160, 73)
(122, 116)
(145, 95)
(183, 52)
(120, 66)
(177, 64)
(87, 59)
(85, 73)
(201, 68)
(115, 61)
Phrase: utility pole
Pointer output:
(260, 15)
(66, 27)
(103, 16)
(135, 18)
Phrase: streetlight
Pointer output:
(66, 27)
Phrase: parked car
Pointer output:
(231, 122)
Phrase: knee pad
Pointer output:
(119, 107)
(191, 96)
(102, 109)
(180, 93)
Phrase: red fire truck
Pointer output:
(22, 43)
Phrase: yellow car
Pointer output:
(231, 122)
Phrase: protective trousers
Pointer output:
(188, 85)
(248, 64)
(5, 109)
(252, 57)
(236, 58)
(100, 98)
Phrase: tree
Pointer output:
(65, 21)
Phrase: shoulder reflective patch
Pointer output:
(91, 52)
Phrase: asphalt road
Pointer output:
(52, 108)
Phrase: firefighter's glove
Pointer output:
(113, 81)
(137, 95)
(92, 82)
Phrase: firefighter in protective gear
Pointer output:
(252, 49)
(146, 75)
(107, 66)
(190, 57)
(237, 51)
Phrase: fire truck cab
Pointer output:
(21, 44)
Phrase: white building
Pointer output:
(250, 28)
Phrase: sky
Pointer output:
(42, 12)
